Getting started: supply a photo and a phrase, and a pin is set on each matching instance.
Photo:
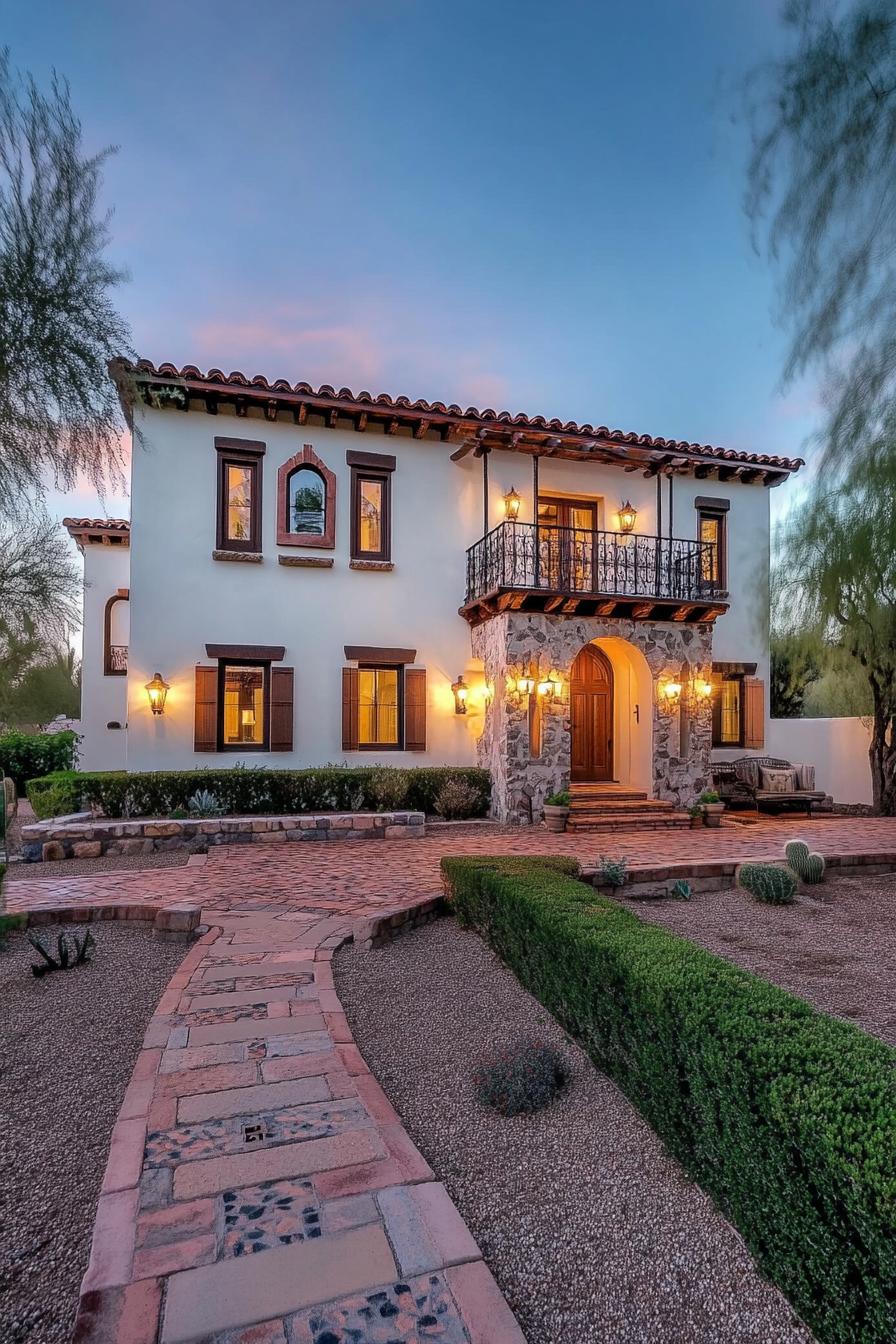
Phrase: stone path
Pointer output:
(260, 1188)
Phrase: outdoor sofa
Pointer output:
(755, 781)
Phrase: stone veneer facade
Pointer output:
(515, 644)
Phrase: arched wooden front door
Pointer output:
(591, 716)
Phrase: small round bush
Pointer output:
(520, 1079)
(457, 800)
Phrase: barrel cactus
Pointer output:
(765, 882)
(806, 865)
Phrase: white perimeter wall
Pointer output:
(103, 699)
(838, 748)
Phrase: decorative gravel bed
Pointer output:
(106, 864)
(593, 1232)
(67, 1047)
(835, 946)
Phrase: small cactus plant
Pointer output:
(203, 803)
(806, 865)
(68, 953)
(520, 1079)
(680, 890)
(765, 882)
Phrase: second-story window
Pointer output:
(371, 505)
(239, 494)
(306, 502)
(712, 533)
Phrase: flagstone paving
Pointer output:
(260, 1187)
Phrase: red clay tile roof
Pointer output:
(94, 524)
(99, 531)
(472, 417)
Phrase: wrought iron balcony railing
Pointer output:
(118, 657)
(582, 563)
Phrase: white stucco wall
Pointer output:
(838, 748)
(182, 599)
(104, 699)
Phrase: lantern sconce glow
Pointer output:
(701, 690)
(627, 516)
(488, 693)
(512, 502)
(157, 690)
(525, 685)
(670, 692)
(461, 691)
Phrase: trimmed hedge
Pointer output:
(24, 755)
(248, 790)
(786, 1116)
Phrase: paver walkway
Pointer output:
(260, 1187)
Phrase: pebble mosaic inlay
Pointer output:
(315, 1120)
(406, 1313)
(276, 1213)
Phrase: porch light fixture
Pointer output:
(671, 693)
(526, 685)
(627, 515)
(157, 690)
(549, 689)
(461, 691)
(512, 502)
(702, 689)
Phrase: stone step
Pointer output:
(621, 805)
(629, 821)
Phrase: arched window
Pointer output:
(116, 633)
(306, 501)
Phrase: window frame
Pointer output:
(377, 467)
(399, 669)
(307, 457)
(239, 453)
(265, 744)
(717, 743)
(122, 595)
(716, 510)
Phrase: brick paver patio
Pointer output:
(260, 1188)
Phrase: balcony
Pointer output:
(571, 571)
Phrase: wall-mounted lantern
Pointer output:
(670, 694)
(157, 690)
(526, 685)
(512, 502)
(701, 690)
(550, 688)
(461, 691)
(627, 516)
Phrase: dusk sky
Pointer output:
(520, 206)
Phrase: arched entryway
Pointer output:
(591, 717)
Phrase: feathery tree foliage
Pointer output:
(59, 412)
(794, 667)
(822, 181)
(839, 587)
(38, 593)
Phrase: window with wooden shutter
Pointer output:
(754, 712)
(349, 709)
(281, 708)
(415, 709)
(205, 722)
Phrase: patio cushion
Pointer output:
(805, 776)
(791, 796)
(748, 771)
(778, 781)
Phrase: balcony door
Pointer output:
(591, 717)
(567, 535)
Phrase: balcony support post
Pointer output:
(537, 557)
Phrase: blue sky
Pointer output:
(517, 205)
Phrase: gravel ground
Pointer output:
(835, 947)
(594, 1233)
(67, 1047)
(17, 872)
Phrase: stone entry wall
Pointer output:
(513, 643)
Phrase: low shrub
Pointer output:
(250, 790)
(786, 1116)
(766, 882)
(520, 1079)
(204, 804)
(612, 872)
(560, 799)
(457, 800)
(24, 756)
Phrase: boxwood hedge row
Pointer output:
(251, 790)
(786, 1116)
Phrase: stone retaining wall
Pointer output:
(75, 837)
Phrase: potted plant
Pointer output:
(696, 815)
(556, 810)
(712, 807)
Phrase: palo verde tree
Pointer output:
(59, 412)
(837, 584)
(821, 189)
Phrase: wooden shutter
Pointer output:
(754, 712)
(205, 721)
(349, 709)
(281, 708)
(415, 709)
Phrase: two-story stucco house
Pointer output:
(319, 576)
